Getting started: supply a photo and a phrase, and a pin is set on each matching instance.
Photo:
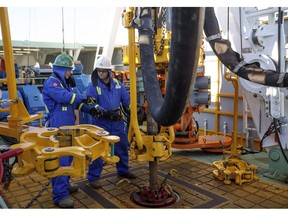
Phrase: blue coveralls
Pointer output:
(110, 98)
(61, 101)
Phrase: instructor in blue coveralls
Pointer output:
(61, 101)
(109, 94)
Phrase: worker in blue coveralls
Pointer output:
(109, 94)
(61, 101)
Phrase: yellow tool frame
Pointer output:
(43, 148)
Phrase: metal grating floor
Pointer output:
(195, 184)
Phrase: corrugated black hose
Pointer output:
(233, 61)
(187, 27)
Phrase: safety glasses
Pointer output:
(102, 70)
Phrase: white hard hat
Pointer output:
(103, 63)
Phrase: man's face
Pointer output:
(102, 73)
(68, 74)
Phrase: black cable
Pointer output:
(279, 141)
(197, 126)
(123, 111)
(9, 140)
(269, 131)
(127, 116)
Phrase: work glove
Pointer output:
(140, 112)
(95, 112)
(127, 110)
(114, 115)
(90, 101)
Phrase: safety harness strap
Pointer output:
(280, 80)
(213, 37)
(241, 64)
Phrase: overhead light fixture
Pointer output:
(16, 49)
(26, 52)
(32, 49)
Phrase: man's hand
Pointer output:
(95, 112)
(114, 115)
(90, 101)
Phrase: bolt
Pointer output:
(49, 149)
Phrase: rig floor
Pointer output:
(195, 185)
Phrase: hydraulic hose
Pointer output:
(233, 61)
(6, 155)
(187, 26)
(278, 139)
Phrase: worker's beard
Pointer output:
(71, 81)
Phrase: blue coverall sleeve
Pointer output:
(85, 108)
(62, 95)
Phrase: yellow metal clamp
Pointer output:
(158, 146)
(234, 169)
(43, 147)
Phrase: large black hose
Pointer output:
(187, 27)
(233, 61)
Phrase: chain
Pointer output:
(173, 172)
(38, 195)
(160, 52)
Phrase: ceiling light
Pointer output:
(22, 51)
(32, 49)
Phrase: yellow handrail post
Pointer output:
(134, 126)
(9, 59)
(18, 112)
(234, 81)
